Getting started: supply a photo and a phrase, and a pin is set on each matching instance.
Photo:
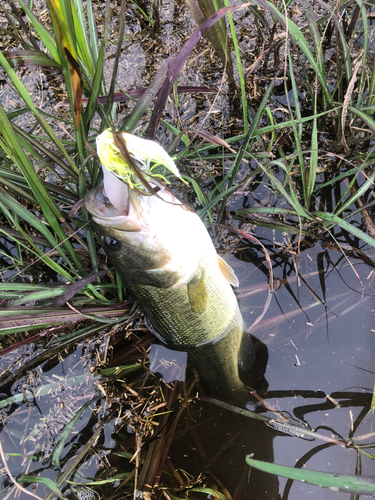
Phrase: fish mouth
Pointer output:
(105, 214)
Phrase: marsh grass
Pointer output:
(314, 152)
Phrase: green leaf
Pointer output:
(43, 33)
(34, 221)
(238, 161)
(301, 41)
(68, 429)
(82, 37)
(39, 296)
(201, 195)
(346, 226)
(364, 116)
(121, 371)
(300, 211)
(96, 86)
(210, 493)
(22, 92)
(313, 163)
(44, 480)
(291, 427)
(31, 59)
(336, 482)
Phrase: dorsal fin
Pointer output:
(227, 272)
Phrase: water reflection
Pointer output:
(215, 442)
(36, 408)
(319, 331)
(314, 365)
(170, 364)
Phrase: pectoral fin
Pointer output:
(227, 272)
(197, 293)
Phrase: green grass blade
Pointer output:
(292, 200)
(21, 320)
(73, 465)
(239, 66)
(210, 493)
(341, 37)
(297, 129)
(244, 146)
(22, 92)
(301, 41)
(35, 222)
(62, 20)
(222, 196)
(345, 175)
(51, 485)
(217, 34)
(95, 91)
(31, 59)
(370, 122)
(201, 195)
(68, 429)
(290, 427)
(39, 296)
(314, 30)
(84, 43)
(44, 390)
(336, 482)
(264, 130)
(48, 207)
(350, 228)
(92, 31)
(359, 192)
(288, 123)
(118, 372)
(313, 163)
(110, 107)
(147, 97)
(43, 33)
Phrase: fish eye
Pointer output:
(111, 243)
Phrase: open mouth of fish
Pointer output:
(103, 212)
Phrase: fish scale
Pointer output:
(212, 350)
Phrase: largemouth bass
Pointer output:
(167, 260)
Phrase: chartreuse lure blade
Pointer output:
(147, 155)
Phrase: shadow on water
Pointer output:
(314, 368)
(308, 330)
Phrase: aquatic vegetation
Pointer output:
(217, 34)
(336, 482)
(297, 170)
